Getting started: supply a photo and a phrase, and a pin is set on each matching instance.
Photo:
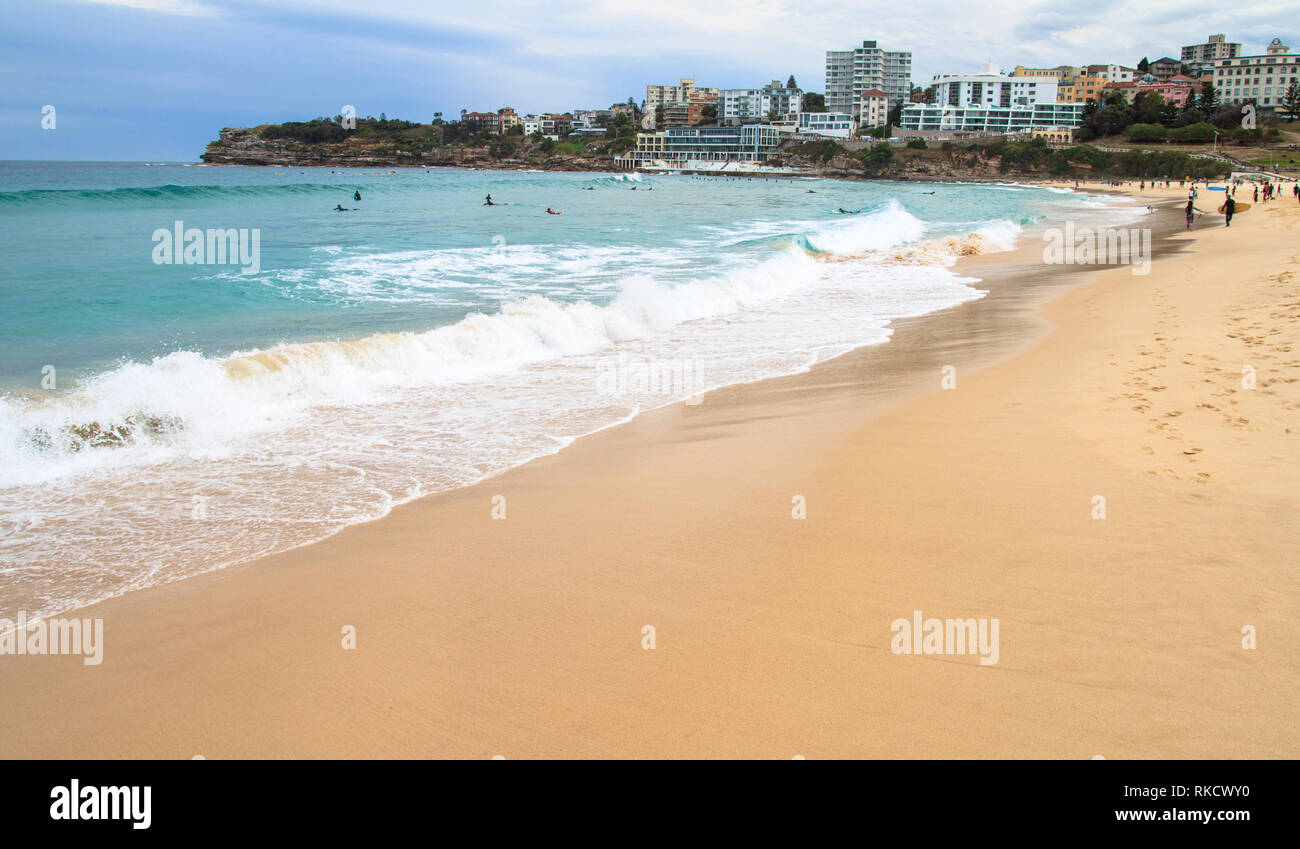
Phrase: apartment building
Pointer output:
(991, 102)
(873, 109)
(839, 125)
(662, 95)
(738, 106)
(851, 72)
(1215, 48)
(688, 113)
(1165, 67)
(988, 87)
(1081, 89)
(1177, 90)
(934, 117)
(1112, 73)
(1262, 79)
(1063, 73)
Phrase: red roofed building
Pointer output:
(1178, 89)
(874, 106)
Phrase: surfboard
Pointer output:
(1242, 206)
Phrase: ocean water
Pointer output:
(161, 420)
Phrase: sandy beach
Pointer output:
(515, 626)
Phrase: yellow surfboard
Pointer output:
(1242, 206)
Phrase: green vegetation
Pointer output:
(818, 151)
(1036, 156)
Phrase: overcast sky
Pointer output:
(157, 79)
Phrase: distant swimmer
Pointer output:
(550, 211)
(488, 202)
(356, 195)
(811, 192)
(338, 207)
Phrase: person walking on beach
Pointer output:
(1191, 214)
(1257, 194)
(1229, 207)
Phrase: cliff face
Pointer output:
(245, 146)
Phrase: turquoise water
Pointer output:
(160, 420)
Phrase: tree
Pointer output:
(814, 102)
(709, 114)
(1291, 101)
(1145, 65)
(1147, 106)
(659, 115)
(790, 83)
(1209, 98)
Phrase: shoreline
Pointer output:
(522, 637)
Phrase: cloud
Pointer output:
(186, 8)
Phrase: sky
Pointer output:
(156, 80)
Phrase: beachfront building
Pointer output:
(934, 117)
(990, 88)
(1201, 57)
(851, 72)
(689, 112)
(1081, 88)
(1127, 89)
(1112, 73)
(1063, 73)
(662, 95)
(677, 146)
(873, 109)
(482, 122)
(1177, 90)
(774, 101)
(839, 125)
(1165, 67)
(1262, 80)
(507, 119)
(990, 102)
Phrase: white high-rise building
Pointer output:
(851, 72)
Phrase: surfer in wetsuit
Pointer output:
(356, 195)
(489, 202)
(338, 207)
(1229, 207)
